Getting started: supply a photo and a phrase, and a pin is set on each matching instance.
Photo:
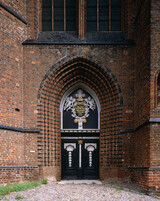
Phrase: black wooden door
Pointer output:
(80, 159)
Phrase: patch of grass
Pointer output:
(116, 186)
(19, 197)
(45, 181)
(113, 182)
(4, 190)
(142, 192)
(157, 194)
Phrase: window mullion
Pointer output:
(52, 15)
(65, 15)
(97, 15)
(110, 15)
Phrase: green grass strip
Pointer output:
(4, 190)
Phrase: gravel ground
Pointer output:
(82, 192)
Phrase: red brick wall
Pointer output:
(39, 59)
(146, 138)
(128, 149)
(154, 173)
(33, 16)
(12, 33)
(17, 5)
(34, 79)
(141, 140)
(136, 146)
(18, 149)
(155, 145)
(138, 176)
(143, 163)
(129, 9)
(18, 174)
(19, 159)
(154, 181)
(155, 58)
(142, 60)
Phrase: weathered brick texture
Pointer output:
(18, 149)
(34, 78)
(12, 34)
(155, 59)
(72, 70)
(32, 17)
(142, 63)
(18, 174)
(17, 5)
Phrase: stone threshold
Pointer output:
(80, 182)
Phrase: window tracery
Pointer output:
(62, 15)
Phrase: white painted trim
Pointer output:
(80, 155)
(79, 138)
(87, 89)
(80, 131)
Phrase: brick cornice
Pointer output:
(24, 130)
(153, 168)
(20, 167)
(12, 12)
(127, 130)
(149, 121)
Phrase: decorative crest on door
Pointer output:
(80, 107)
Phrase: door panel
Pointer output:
(69, 160)
(80, 159)
(91, 162)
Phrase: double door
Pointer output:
(80, 159)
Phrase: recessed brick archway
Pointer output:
(57, 81)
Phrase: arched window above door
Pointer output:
(103, 15)
(69, 15)
(80, 110)
(58, 15)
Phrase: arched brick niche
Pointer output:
(157, 89)
(104, 84)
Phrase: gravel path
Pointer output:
(82, 192)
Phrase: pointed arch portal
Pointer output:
(87, 96)
(80, 124)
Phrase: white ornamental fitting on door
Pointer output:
(70, 147)
(90, 148)
(80, 107)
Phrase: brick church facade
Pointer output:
(80, 90)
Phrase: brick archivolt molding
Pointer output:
(104, 84)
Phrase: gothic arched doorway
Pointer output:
(63, 81)
(80, 123)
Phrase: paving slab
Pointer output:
(80, 182)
